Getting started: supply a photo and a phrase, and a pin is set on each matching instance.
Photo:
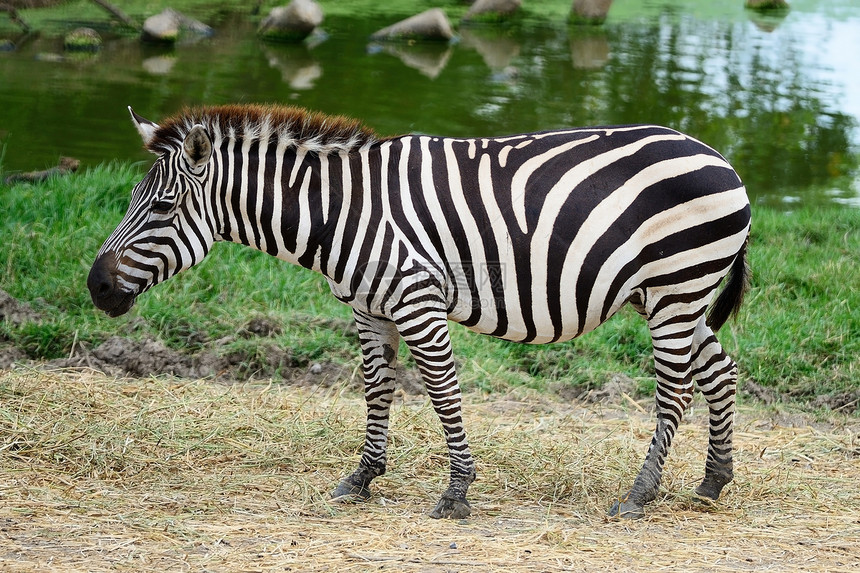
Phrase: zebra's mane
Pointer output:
(288, 125)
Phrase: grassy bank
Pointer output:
(60, 18)
(798, 335)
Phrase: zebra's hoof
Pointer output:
(711, 486)
(627, 510)
(349, 493)
(450, 508)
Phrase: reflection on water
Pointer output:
(298, 68)
(779, 97)
(498, 49)
(159, 65)
(429, 59)
(589, 51)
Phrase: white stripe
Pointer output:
(346, 197)
(243, 192)
(278, 197)
(231, 188)
(325, 190)
(304, 230)
(261, 182)
(300, 159)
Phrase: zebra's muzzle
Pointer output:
(106, 295)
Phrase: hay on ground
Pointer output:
(100, 474)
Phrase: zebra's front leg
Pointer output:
(379, 340)
(427, 336)
(674, 394)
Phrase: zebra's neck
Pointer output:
(290, 202)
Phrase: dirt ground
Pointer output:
(122, 474)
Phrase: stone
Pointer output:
(766, 4)
(291, 23)
(492, 10)
(82, 40)
(589, 11)
(166, 26)
(162, 27)
(430, 25)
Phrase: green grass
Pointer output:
(798, 333)
(800, 330)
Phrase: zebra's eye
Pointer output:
(161, 207)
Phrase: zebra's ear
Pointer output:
(197, 146)
(145, 128)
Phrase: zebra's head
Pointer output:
(165, 229)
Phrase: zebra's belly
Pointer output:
(519, 331)
(524, 317)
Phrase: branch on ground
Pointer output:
(66, 166)
(15, 17)
(118, 14)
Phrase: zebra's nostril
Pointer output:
(104, 289)
(99, 281)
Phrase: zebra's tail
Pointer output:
(729, 300)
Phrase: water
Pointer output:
(780, 97)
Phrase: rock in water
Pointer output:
(166, 26)
(492, 10)
(766, 5)
(291, 23)
(162, 27)
(430, 25)
(589, 11)
(82, 40)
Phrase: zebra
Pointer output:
(534, 238)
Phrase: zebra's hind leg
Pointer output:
(716, 375)
(379, 340)
(426, 334)
(672, 339)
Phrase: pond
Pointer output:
(779, 96)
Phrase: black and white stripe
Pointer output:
(533, 238)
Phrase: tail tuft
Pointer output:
(729, 300)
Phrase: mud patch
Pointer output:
(847, 401)
(262, 326)
(125, 357)
(15, 311)
(762, 393)
(10, 355)
(613, 392)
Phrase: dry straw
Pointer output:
(101, 474)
